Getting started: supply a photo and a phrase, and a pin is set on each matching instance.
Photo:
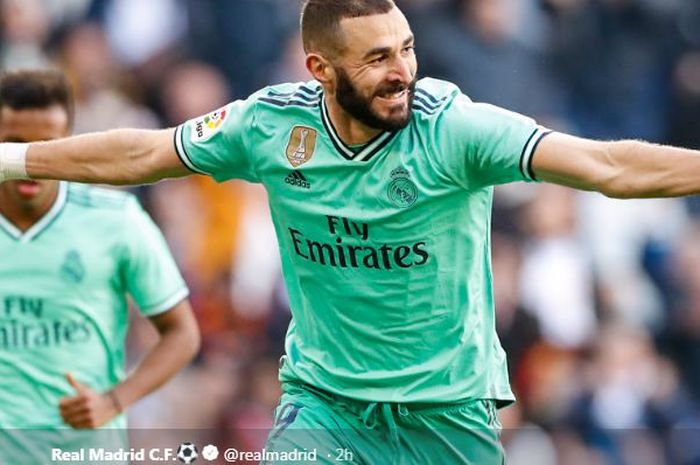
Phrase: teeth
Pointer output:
(395, 95)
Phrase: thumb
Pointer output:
(79, 388)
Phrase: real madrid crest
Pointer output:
(402, 192)
(301, 146)
(72, 269)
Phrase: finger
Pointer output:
(71, 402)
(66, 401)
(79, 388)
(75, 409)
(81, 421)
(75, 416)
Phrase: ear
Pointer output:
(320, 68)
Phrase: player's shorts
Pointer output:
(317, 427)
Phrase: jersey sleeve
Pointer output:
(487, 145)
(149, 270)
(216, 144)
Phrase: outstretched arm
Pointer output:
(623, 169)
(122, 156)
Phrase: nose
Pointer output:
(401, 70)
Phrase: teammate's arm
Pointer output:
(178, 342)
(622, 169)
(121, 156)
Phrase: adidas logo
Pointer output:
(297, 179)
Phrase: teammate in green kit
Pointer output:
(70, 255)
(380, 187)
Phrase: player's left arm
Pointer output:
(620, 169)
(177, 344)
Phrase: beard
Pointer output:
(360, 108)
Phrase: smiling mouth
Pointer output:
(394, 97)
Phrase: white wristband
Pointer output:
(13, 161)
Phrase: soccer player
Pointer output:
(380, 187)
(70, 254)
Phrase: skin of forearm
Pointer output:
(172, 352)
(621, 169)
(118, 157)
(643, 170)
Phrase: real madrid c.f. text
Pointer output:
(100, 454)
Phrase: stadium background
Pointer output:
(598, 300)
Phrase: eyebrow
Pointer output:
(383, 50)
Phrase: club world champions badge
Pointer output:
(301, 145)
(402, 192)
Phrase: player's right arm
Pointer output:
(178, 342)
(122, 156)
(216, 144)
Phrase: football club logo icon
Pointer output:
(301, 146)
(206, 126)
(72, 269)
(402, 192)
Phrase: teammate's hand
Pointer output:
(88, 408)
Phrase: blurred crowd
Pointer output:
(598, 300)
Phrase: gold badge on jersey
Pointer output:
(301, 146)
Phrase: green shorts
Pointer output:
(316, 427)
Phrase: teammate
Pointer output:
(380, 187)
(70, 255)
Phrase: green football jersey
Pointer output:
(63, 298)
(385, 247)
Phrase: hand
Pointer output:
(88, 408)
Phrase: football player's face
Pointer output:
(376, 80)
(31, 125)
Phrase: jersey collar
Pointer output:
(363, 153)
(43, 223)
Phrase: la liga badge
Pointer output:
(206, 126)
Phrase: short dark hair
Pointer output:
(320, 20)
(31, 89)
